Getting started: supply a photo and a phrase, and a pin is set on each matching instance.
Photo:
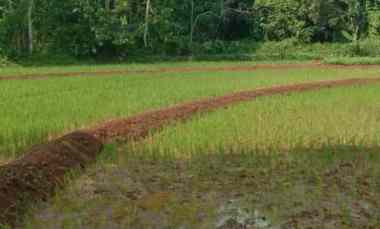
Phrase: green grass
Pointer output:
(34, 110)
(27, 70)
(312, 157)
(353, 60)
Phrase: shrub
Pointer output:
(4, 61)
(369, 47)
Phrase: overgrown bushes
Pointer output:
(4, 61)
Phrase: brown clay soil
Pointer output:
(43, 76)
(41, 170)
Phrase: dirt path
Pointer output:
(103, 73)
(42, 169)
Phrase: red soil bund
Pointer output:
(104, 73)
(42, 169)
(141, 125)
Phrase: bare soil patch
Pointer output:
(304, 189)
(36, 175)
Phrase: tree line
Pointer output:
(175, 27)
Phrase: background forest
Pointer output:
(129, 29)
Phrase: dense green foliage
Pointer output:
(121, 28)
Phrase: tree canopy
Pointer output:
(122, 27)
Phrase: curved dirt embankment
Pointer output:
(35, 176)
(141, 125)
(103, 73)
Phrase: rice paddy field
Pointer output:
(32, 111)
(300, 160)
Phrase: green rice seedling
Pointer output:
(309, 120)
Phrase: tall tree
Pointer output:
(146, 29)
(30, 26)
(359, 18)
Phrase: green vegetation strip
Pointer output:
(347, 61)
(30, 72)
(113, 70)
(179, 69)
